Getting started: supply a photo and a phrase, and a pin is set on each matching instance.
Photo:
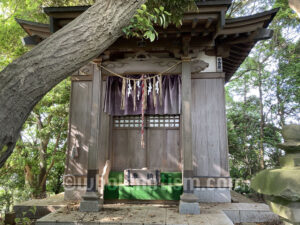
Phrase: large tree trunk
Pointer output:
(26, 80)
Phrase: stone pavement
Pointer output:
(144, 214)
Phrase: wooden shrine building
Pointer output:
(184, 127)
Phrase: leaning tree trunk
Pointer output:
(26, 80)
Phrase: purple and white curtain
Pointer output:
(171, 97)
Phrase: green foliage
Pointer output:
(154, 14)
(11, 32)
(255, 118)
(241, 186)
(39, 152)
(25, 220)
(142, 24)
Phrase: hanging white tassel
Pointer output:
(134, 95)
(153, 93)
(129, 88)
(149, 88)
(138, 91)
(157, 86)
(160, 90)
(123, 93)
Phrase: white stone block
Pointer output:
(217, 195)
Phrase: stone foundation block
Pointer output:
(217, 195)
(189, 207)
(89, 206)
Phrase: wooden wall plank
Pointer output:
(172, 152)
(79, 127)
(199, 128)
(209, 128)
(121, 154)
(137, 155)
(104, 134)
(213, 128)
(94, 142)
(224, 152)
(156, 149)
(186, 121)
(162, 149)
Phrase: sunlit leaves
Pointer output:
(143, 22)
(156, 13)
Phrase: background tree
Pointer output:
(264, 93)
(37, 165)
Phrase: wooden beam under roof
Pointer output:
(29, 25)
(236, 52)
(239, 30)
(200, 3)
(31, 41)
(185, 30)
(191, 17)
(200, 26)
(232, 61)
(38, 30)
(236, 56)
(60, 11)
(259, 34)
(194, 23)
(243, 19)
(208, 22)
(246, 22)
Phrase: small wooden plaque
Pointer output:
(133, 177)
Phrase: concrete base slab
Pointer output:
(218, 195)
(155, 214)
(189, 208)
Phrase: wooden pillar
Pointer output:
(189, 202)
(91, 199)
(186, 128)
(93, 165)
